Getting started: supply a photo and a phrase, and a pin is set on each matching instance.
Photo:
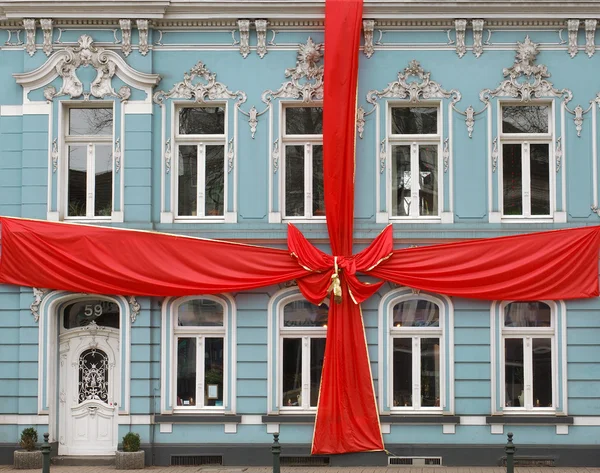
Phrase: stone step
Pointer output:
(81, 460)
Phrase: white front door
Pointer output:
(89, 377)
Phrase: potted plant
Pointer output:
(29, 458)
(131, 457)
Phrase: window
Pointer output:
(89, 148)
(199, 329)
(200, 142)
(417, 338)
(303, 151)
(525, 139)
(414, 139)
(302, 330)
(528, 363)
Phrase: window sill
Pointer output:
(197, 419)
(528, 419)
(300, 418)
(394, 418)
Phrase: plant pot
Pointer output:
(129, 460)
(27, 460)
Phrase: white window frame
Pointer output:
(201, 141)
(558, 334)
(526, 140)
(414, 141)
(305, 334)
(308, 141)
(91, 141)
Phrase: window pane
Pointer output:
(292, 372)
(512, 179)
(103, 180)
(542, 372)
(213, 372)
(401, 182)
(513, 372)
(198, 312)
(402, 372)
(428, 192)
(416, 313)
(294, 181)
(318, 191)
(540, 179)
(91, 121)
(430, 372)
(77, 181)
(186, 371)
(527, 314)
(528, 119)
(317, 353)
(304, 314)
(215, 180)
(188, 180)
(202, 121)
(304, 121)
(83, 313)
(414, 120)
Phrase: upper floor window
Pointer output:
(303, 150)
(89, 148)
(526, 135)
(414, 139)
(302, 332)
(200, 141)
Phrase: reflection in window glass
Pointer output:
(213, 372)
(401, 181)
(525, 119)
(90, 121)
(318, 191)
(202, 121)
(77, 193)
(304, 121)
(317, 353)
(527, 314)
(414, 120)
(402, 372)
(540, 179)
(416, 313)
(292, 372)
(514, 376)
(200, 312)
(186, 371)
(304, 314)
(430, 372)
(215, 180)
(542, 372)
(294, 181)
(103, 180)
(428, 188)
(512, 179)
(188, 180)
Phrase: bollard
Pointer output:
(510, 453)
(275, 450)
(45, 448)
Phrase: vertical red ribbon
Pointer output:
(347, 417)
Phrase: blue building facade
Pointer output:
(204, 119)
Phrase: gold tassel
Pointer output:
(335, 285)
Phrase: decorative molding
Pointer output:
(414, 291)
(470, 120)
(578, 113)
(134, 308)
(494, 154)
(9, 40)
(595, 209)
(84, 55)
(535, 83)
(477, 37)
(244, 28)
(446, 154)
(306, 78)
(253, 120)
(360, 121)
(275, 156)
(590, 37)
(382, 155)
(46, 24)
(117, 155)
(54, 155)
(125, 26)
(558, 153)
(573, 28)
(368, 28)
(29, 25)
(230, 156)
(460, 26)
(142, 26)
(415, 90)
(38, 297)
(168, 156)
(199, 90)
(261, 37)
